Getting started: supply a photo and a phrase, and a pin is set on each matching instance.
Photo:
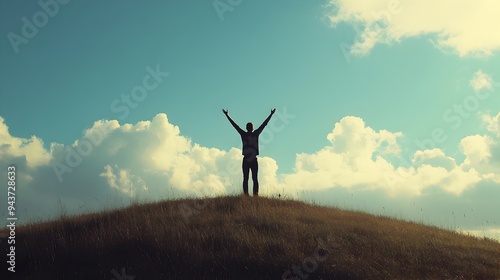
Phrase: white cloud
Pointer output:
(481, 81)
(476, 148)
(466, 27)
(360, 158)
(30, 149)
(348, 161)
(123, 180)
(434, 157)
(492, 123)
(350, 135)
(482, 154)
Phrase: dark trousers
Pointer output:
(250, 163)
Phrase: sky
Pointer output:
(389, 107)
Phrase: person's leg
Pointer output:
(255, 170)
(246, 170)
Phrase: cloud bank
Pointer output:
(464, 27)
(362, 158)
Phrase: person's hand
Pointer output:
(272, 111)
(224, 111)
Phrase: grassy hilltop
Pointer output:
(247, 238)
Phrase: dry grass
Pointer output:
(247, 238)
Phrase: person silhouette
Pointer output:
(250, 150)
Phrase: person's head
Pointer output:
(249, 127)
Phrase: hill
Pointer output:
(247, 238)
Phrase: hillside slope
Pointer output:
(247, 238)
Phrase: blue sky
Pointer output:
(354, 86)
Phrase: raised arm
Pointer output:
(232, 122)
(261, 127)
